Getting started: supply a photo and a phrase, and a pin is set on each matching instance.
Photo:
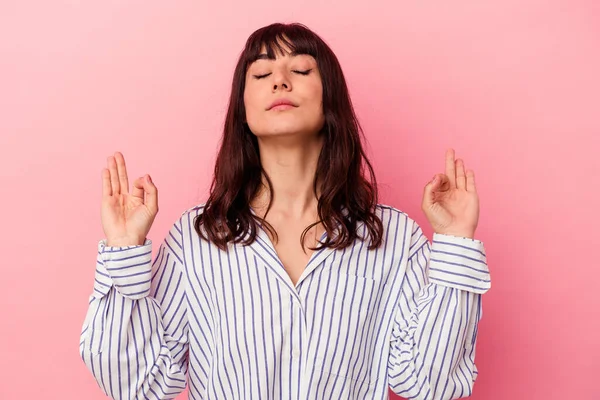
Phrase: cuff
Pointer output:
(460, 263)
(128, 268)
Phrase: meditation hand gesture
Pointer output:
(126, 217)
(450, 200)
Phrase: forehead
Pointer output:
(278, 48)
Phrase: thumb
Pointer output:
(151, 194)
(428, 192)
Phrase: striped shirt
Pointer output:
(232, 325)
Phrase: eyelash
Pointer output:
(300, 72)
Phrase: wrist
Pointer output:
(125, 242)
(465, 234)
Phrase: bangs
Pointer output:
(298, 38)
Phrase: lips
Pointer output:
(280, 102)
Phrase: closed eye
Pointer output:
(304, 72)
(296, 71)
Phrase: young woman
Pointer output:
(291, 281)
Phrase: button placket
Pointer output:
(297, 327)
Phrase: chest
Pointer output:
(293, 255)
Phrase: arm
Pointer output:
(134, 338)
(432, 353)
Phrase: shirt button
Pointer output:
(296, 353)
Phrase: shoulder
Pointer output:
(186, 217)
(395, 220)
(193, 211)
(388, 213)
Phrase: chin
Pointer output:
(286, 128)
(281, 132)
(281, 129)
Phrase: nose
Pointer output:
(280, 81)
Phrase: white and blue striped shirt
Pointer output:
(232, 325)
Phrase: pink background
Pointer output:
(513, 86)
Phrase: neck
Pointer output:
(291, 163)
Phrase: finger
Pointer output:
(442, 183)
(106, 188)
(151, 194)
(429, 190)
(137, 189)
(114, 177)
(450, 170)
(461, 182)
(471, 181)
(122, 170)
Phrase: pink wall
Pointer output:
(513, 86)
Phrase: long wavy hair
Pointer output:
(346, 196)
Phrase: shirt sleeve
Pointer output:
(432, 346)
(134, 338)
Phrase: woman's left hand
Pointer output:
(450, 200)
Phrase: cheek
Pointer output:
(316, 97)
(247, 99)
(316, 93)
(250, 95)
(250, 102)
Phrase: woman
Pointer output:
(235, 307)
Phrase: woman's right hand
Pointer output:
(126, 217)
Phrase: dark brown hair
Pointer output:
(346, 196)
